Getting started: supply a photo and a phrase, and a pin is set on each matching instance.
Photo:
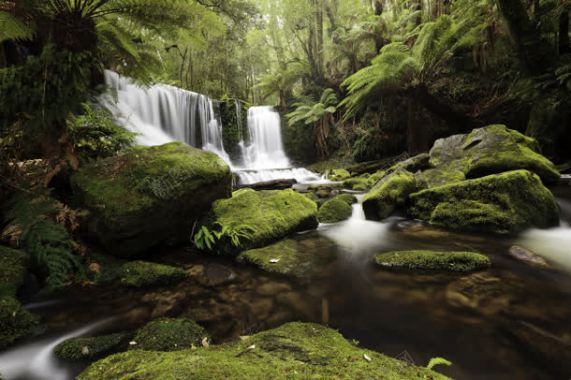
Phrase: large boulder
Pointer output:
(292, 351)
(388, 194)
(336, 209)
(504, 203)
(484, 151)
(258, 218)
(150, 195)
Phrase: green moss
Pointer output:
(334, 210)
(347, 198)
(13, 266)
(297, 258)
(503, 203)
(410, 261)
(357, 183)
(174, 183)
(168, 334)
(389, 194)
(490, 150)
(311, 196)
(439, 176)
(139, 274)
(269, 215)
(15, 321)
(89, 348)
(292, 351)
(338, 174)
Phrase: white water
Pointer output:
(264, 158)
(357, 235)
(160, 114)
(37, 361)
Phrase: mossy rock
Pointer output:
(267, 216)
(301, 258)
(411, 261)
(347, 198)
(503, 203)
(89, 348)
(294, 350)
(389, 194)
(169, 334)
(338, 174)
(15, 321)
(491, 150)
(334, 210)
(360, 183)
(150, 195)
(141, 274)
(13, 268)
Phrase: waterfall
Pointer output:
(160, 114)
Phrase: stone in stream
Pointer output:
(336, 209)
(294, 350)
(301, 258)
(216, 275)
(259, 218)
(141, 274)
(432, 261)
(528, 257)
(89, 348)
(505, 203)
(149, 195)
(388, 194)
(168, 334)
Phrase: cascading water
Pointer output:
(160, 114)
(264, 158)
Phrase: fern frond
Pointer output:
(13, 28)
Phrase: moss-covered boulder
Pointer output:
(490, 150)
(141, 274)
(428, 261)
(90, 348)
(13, 267)
(168, 334)
(263, 216)
(335, 210)
(338, 174)
(389, 193)
(504, 203)
(292, 351)
(15, 321)
(301, 258)
(150, 195)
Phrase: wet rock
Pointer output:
(261, 307)
(165, 303)
(334, 210)
(506, 203)
(141, 274)
(303, 305)
(216, 275)
(528, 257)
(174, 183)
(432, 261)
(338, 174)
(482, 292)
(294, 350)
(389, 194)
(15, 321)
(90, 348)
(272, 288)
(168, 334)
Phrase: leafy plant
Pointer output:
(208, 239)
(93, 134)
(39, 225)
(438, 361)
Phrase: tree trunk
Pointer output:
(535, 54)
(564, 47)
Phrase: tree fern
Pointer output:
(13, 28)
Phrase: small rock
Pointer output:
(528, 257)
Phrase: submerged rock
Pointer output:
(294, 350)
(89, 348)
(484, 151)
(140, 274)
(169, 334)
(150, 195)
(411, 261)
(297, 258)
(389, 193)
(528, 257)
(262, 216)
(506, 203)
(336, 209)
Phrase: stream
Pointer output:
(477, 321)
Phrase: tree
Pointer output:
(320, 114)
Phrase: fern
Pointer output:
(438, 361)
(210, 239)
(37, 223)
(13, 28)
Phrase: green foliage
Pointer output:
(13, 268)
(94, 134)
(13, 28)
(207, 239)
(15, 321)
(39, 223)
